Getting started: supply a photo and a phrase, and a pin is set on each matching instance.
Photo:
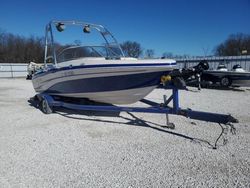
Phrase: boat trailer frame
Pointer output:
(47, 104)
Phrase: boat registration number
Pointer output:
(68, 73)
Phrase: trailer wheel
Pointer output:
(28, 77)
(225, 82)
(44, 106)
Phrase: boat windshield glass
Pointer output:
(76, 52)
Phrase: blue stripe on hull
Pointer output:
(111, 83)
(53, 70)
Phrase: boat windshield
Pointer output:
(76, 52)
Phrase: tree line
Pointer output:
(236, 44)
(19, 49)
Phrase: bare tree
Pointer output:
(167, 55)
(206, 50)
(149, 53)
(171, 55)
(236, 44)
(19, 49)
(131, 49)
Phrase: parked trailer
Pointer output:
(47, 104)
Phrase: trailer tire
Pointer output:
(44, 106)
(28, 77)
(225, 82)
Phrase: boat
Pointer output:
(98, 73)
(237, 76)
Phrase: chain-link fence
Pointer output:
(13, 70)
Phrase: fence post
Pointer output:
(11, 70)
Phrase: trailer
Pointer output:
(48, 103)
(226, 78)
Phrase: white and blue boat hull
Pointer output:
(114, 84)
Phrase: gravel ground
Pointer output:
(73, 149)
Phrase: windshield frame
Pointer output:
(109, 39)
